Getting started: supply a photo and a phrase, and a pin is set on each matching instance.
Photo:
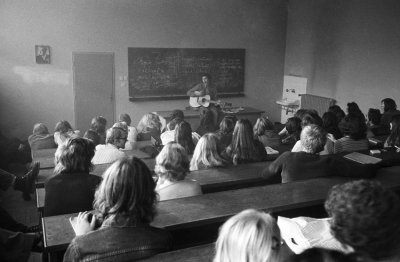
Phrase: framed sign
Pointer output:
(42, 53)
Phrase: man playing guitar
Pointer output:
(206, 88)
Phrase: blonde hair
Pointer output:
(206, 153)
(250, 236)
(149, 121)
(172, 162)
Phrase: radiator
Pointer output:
(319, 103)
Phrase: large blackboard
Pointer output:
(164, 73)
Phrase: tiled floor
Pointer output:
(22, 211)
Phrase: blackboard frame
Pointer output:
(166, 74)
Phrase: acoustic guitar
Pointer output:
(205, 101)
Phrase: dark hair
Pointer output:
(353, 109)
(177, 114)
(309, 119)
(337, 111)
(127, 190)
(293, 126)
(63, 127)
(243, 145)
(365, 216)
(207, 120)
(174, 122)
(374, 116)
(388, 104)
(331, 125)
(227, 125)
(353, 126)
(206, 75)
(317, 254)
(394, 137)
(125, 118)
(262, 124)
(183, 136)
(92, 136)
(98, 124)
(74, 156)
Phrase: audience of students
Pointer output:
(132, 131)
(62, 131)
(41, 138)
(172, 166)
(206, 154)
(108, 153)
(250, 236)
(365, 216)
(99, 125)
(125, 205)
(244, 148)
(393, 139)
(71, 188)
(354, 130)
(264, 131)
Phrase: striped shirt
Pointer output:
(346, 144)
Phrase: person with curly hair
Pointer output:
(365, 216)
(354, 130)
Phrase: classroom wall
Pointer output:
(33, 93)
(348, 49)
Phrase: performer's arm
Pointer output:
(197, 90)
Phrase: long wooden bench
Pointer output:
(210, 180)
(46, 156)
(203, 253)
(208, 209)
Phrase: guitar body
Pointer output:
(197, 101)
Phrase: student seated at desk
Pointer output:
(389, 108)
(172, 166)
(149, 126)
(132, 131)
(72, 188)
(354, 130)
(99, 125)
(184, 137)
(365, 216)
(41, 138)
(264, 131)
(125, 205)
(62, 131)
(108, 153)
(206, 154)
(393, 139)
(250, 236)
(225, 132)
(244, 148)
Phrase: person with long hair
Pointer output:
(207, 122)
(62, 131)
(149, 126)
(354, 130)
(225, 132)
(125, 205)
(250, 236)
(389, 109)
(393, 139)
(293, 130)
(183, 136)
(244, 148)
(206, 153)
(172, 166)
(71, 188)
(264, 131)
(132, 131)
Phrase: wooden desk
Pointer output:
(203, 253)
(210, 180)
(192, 116)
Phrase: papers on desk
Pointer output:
(362, 158)
(271, 151)
(301, 233)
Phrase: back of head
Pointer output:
(172, 162)
(311, 118)
(149, 121)
(115, 134)
(293, 125)
(329, 120)
(337, 111)
(177, 114)
(127, 190)
(250, 236)
(183, 136)
(40, 129)
(173, 123)
(206, 152)
(98, 124)
(374, 116)
(227, 125)
(125, 118)
(63, 127)
(313, 139)
(92, 136)
(389, 104)
(262, 124)
(75, 155)
(353, 126)
(243, 140)
(365, 216)
(207, 119)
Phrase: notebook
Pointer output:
(362, 158)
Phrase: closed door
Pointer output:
(93, 87)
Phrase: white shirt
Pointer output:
(107, 154)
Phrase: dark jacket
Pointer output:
(119, 241)
(70, 193)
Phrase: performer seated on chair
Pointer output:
(206, 88)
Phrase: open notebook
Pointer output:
(362, 158)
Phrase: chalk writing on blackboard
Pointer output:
(170, 72)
